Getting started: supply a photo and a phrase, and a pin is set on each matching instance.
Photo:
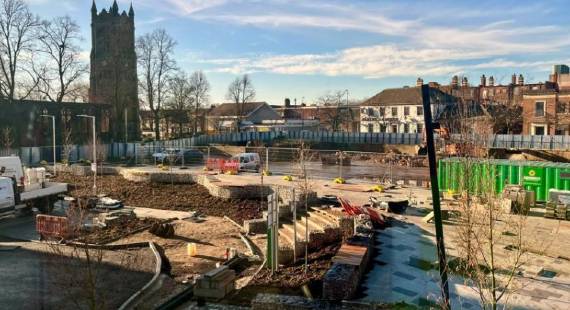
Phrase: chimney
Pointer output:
(287, 102)
(419, 82)
(514, 79)
(483, 80)
(521, 79)
(464, 82)
(491, 81)
(454, 81)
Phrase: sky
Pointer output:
(304, 49)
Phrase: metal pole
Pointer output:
(94, 157)
(340, 167)
(267, 159)
(294, 202)
(276, 201)
(435, 195)
(53, 138)
(126, 126)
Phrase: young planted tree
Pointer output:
(492, 243)
(155, 53)
(240, 92)
(17, 37)
(7, 137)
(200, 94)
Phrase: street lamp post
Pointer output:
(94, 164)
(53, 139)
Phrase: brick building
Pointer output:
(547, 111)
(341, 118)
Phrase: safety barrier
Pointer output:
(222, 165)
(52, 226)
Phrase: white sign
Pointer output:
(94, 167)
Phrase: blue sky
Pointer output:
(303, 49)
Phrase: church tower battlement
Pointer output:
(113, 78)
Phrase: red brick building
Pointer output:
(547, 111)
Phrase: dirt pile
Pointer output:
(179, 197)
(115, 232)
(295, 276)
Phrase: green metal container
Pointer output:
(458, 173)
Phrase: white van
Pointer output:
(248, 161)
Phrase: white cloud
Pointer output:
(377, 61)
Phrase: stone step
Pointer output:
(322, 220)
(300, 229)
(325, 216)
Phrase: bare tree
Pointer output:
(58, 41)
(335, 112)
(17, 25)
(155, 58)
(7, 137)
(240, 92)
(200, 93)
(181, 100)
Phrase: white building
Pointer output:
(400, 110)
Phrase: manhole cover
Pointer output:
(547, 273)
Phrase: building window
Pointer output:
(382, 112)
(394, 128)
(363, 111)
(370, 111)
(539, 131)
(539, 108)
(420, 128)
(394, 111)
(382, 128)
(406, 111)
(561, 107)
(406, 128)
(420, 111)
(370, 128)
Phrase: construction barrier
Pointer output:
(230, 166)
(222, 165)
(52, 226)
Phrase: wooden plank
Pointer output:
(350, 255)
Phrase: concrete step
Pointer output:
(322, 220)
(325, 216)
(300, 229)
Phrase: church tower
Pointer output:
(113, 77)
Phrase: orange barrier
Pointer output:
(223, 165)
(230, 166)
(52, 226)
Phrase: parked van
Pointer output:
(248, 161)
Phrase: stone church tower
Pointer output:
(113, 77)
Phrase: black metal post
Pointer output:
(435, 194)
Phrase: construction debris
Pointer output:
(215, 284)
(164, 230)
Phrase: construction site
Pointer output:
(278, 228)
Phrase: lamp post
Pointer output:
(94, 164)
(53, 139)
